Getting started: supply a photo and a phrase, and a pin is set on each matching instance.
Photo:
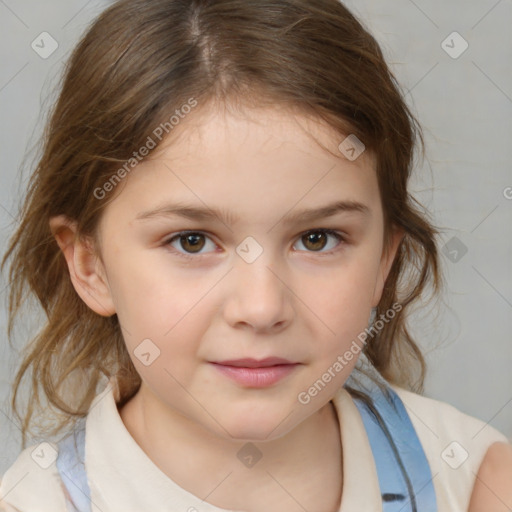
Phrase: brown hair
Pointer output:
(136, 65)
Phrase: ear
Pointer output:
(386, 262)
(85, 267)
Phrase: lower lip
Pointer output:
(256, 377)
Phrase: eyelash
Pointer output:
(190, 256)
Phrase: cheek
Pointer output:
(147, 288)
(340, 303)
(342, 295)
(156, 303)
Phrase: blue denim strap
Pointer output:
(403, 470)
(71, 467)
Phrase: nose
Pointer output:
(258, 296)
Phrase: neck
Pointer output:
(293, 471)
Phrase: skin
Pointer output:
(292, 301)
(492, 490)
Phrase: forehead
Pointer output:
(222, 130)
(249, 161)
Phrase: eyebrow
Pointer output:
(204, 214)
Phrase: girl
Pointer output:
(220, 207)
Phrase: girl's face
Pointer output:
(254, 279)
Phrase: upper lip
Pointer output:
(255, 363)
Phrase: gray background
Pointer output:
(464, 105)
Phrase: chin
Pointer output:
(257, 426)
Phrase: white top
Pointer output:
(122, 477)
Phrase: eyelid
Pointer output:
(340, 235)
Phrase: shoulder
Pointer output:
(32, 482)
(441, 418)
(457, 446)
(492, 491)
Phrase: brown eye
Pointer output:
(188, 243)
(193, 242)
(317, 240)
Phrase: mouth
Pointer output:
(254, 373)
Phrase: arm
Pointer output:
(492, 491)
